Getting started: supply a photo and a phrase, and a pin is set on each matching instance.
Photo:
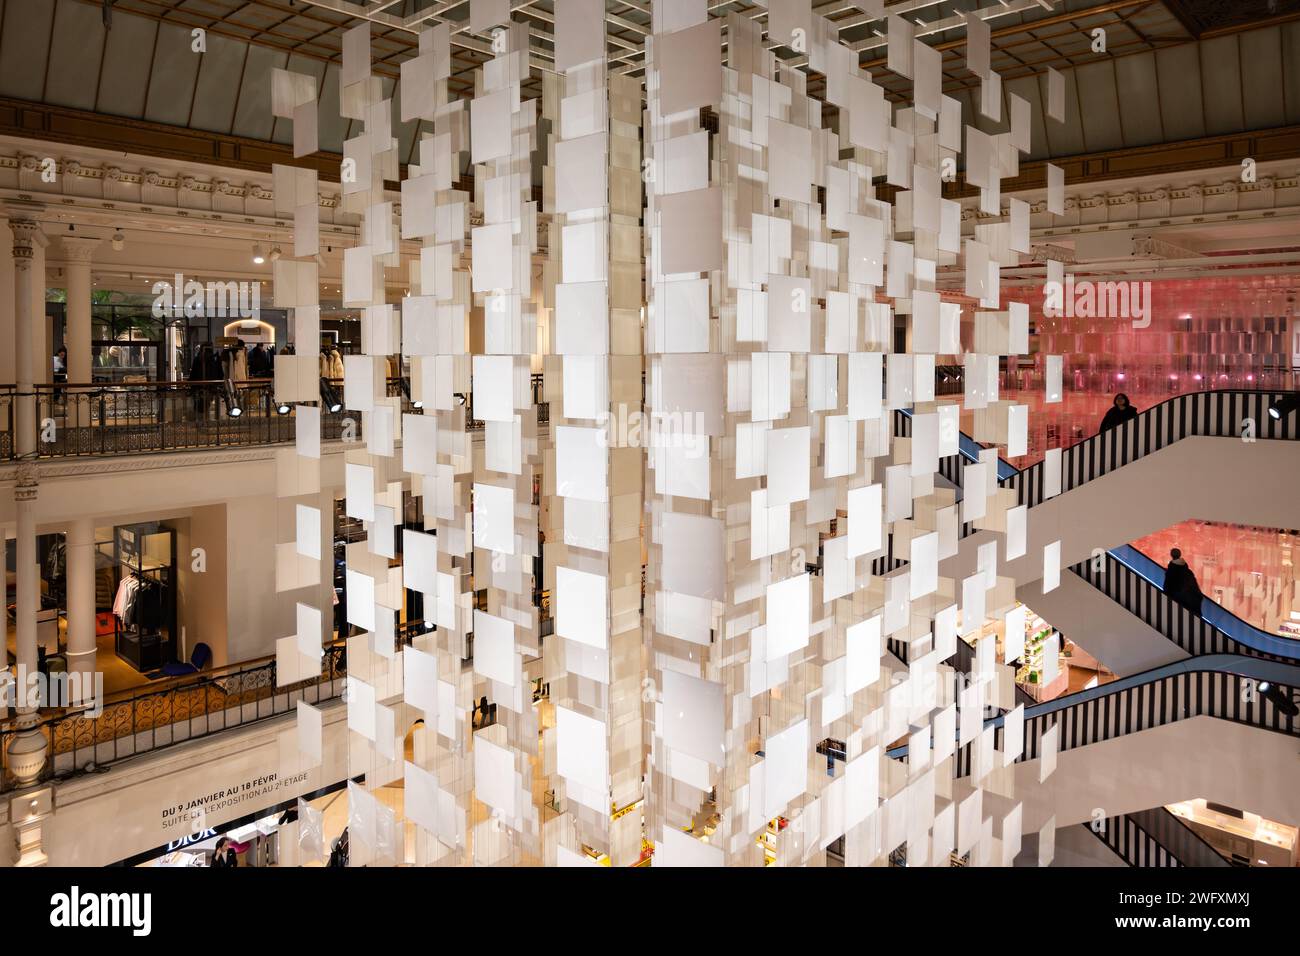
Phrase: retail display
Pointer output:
(755, 434)
(144, 604)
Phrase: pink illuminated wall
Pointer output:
(1203, 333)
(1250, 571)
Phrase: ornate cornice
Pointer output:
(147, 177)
(1126, 199)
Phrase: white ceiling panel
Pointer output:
(1139, 99)
(24, 49)
(171, 84)
(1178, 71)
(1221, 85)
(76, 48)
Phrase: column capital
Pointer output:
(27, 481)
(27, 236)
(79, 249)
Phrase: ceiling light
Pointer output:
(119, 241)
(283, 408)
(258, 256)
(275, 253)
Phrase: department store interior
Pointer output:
(650, 433)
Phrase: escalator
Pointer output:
(1113, 487)
(1219, 726)
(1114, 603)
(1155, 838)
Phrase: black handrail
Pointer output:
(1155, 838)
(1129, 576)
(1210, 686)
(1136, 582)
(153, 718)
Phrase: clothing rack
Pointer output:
(144, 608)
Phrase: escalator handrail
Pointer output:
(1213, 613)
(1166, 821)
(970, 449)
(1256, 668)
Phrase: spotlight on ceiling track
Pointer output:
(329, 397)
(258, 256)
(405, 384)
(1284, 406)
(275, 253)
(283, 408)
(119, 241)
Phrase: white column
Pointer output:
(77, 254)
(80, 557)
(26, 751)
(41, 347)
(7, 367)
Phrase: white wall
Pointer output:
(1119, 639)
(250, 578)
(1232, 764)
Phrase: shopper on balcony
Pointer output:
(1120, 412)
(206, 367)
(1180, 583)
(259, 362)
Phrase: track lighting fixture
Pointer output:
(119, 241)
(1284, 406)
(258, 256)
(233, 408)
(329, 397)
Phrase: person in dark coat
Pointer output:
(1180, 582)
(206, 367)
(1120, 412)
(259, 362)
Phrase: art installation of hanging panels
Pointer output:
(756, 586)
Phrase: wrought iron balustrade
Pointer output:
(134, 418)
(147, 719)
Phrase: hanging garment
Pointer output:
(125, 589)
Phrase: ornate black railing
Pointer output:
(134, 418)
(148, 719)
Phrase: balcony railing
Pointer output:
(136, 418)
(145, 720)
